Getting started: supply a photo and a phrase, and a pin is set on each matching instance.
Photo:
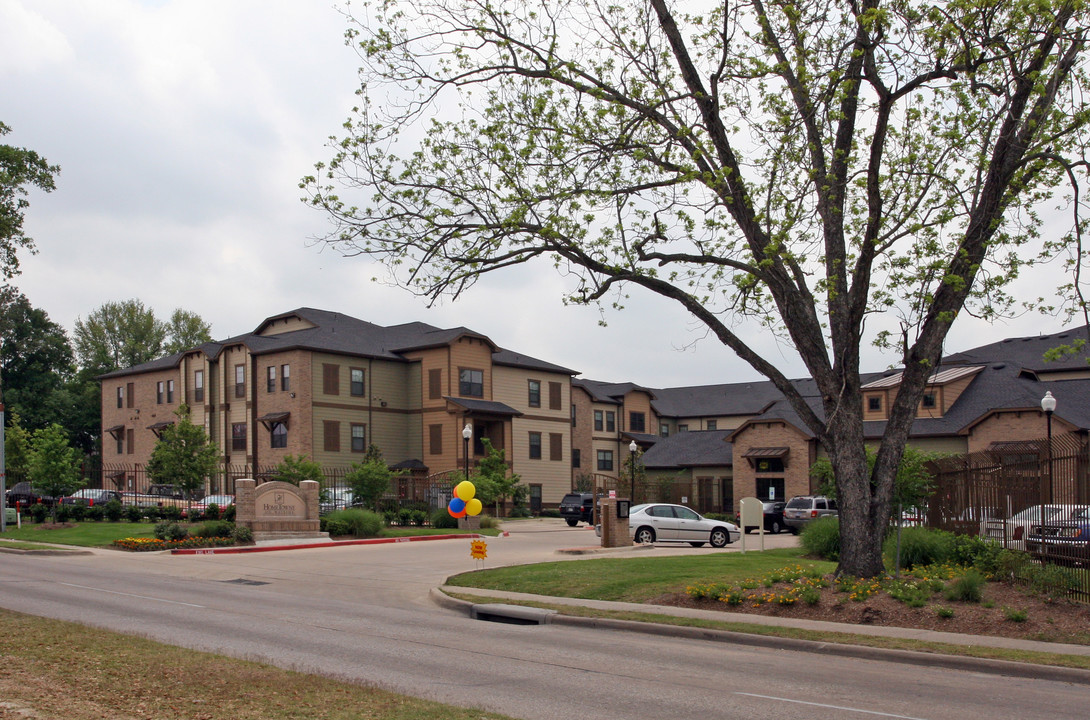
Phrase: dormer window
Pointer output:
(874, 403)
(928, 401)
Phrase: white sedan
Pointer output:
(663, 522)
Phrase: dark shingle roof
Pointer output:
(701, 448)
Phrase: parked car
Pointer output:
(91, 496)
(198, 508)
(805, 509)
(1065, 541)
(26, 495)
(1012, 532)
(663, 522)
(773, 518)
(577, 506)
(336, 499)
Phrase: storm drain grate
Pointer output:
(244, 581)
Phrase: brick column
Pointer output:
(245, 511)
(614, 529)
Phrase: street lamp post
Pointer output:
(467, 433)
(1048, 404)
(632, 448)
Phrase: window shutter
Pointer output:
(554, 395)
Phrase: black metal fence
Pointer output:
(1001, 493)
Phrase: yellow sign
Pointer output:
(478, 549)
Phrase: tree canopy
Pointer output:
(20, 168)
(184, 455)
(126, 333)
(799, 167)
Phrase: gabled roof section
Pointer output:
(612, 393)
(164, 363)
(699, 448)
(1028, 353)
(942, 376)
(513, 359)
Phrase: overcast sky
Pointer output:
(182, 129)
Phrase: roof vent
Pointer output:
(1000, 366)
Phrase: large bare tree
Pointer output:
(806, 165)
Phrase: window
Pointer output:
(331, 431)
(535, 446)
(605, 459)
(556, 446)
(356, 382)
(770, 465)
(575, 458)
(270, 379)
(435, 439)
(130, 393)
(120, 443)
(535, 393)
(435, 384)
(120, 396)
(198, 385)
(874, 403)
(573, 415)
(130, 442)
(285, 378)
(554, 396)
(359, 437)
(928, 400)
(713, 425)
(170, 391)
(636, 422)
(611, 422)
(279, 435)
(598, 420)
(238, 436)
(664, 430)
(240, 381)
(770, 489)
(470, 382)
(159, 393)
(683, 427)
(331, 379)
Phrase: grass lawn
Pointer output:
(635, 579)
(83, 534)
(55, 669)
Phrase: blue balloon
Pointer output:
(457, 505)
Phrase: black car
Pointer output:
(577, 506)
(90, 497)
(773, 518)
(24, 494)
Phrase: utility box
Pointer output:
(615, 528)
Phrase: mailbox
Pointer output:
(622, 508)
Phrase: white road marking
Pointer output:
(142, 597)
(831, 707)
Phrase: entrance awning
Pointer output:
(271, 419)
(756, 454)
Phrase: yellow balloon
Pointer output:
(465, 491)
(474, 507)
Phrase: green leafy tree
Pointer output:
(36, 362)
(832, 173)
(17, 446)
(185, 331)
(19, 169)
(184, 455)
(54, 466)
(493, 481)
(119, 335)
(912, 487)
(370, 480)
(295, 470)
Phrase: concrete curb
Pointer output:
(324, 544)
(909, 657)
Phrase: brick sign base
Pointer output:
(276, 509)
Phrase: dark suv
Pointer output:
(577, 506)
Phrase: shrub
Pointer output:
(822, 538)
(150, 512)
(441, 519)
(133, 513)
(336, 528)
(919, 546)
(550, 513)
(64, 513)
(168, 530)
(521, 511)
(113, 510)
(213, 528)
(404, 517)
(944, 612)
(1048, 580)
(242, 534)
(361, 523)
(212, 512)
(95, 513)
(38, 512)
(419, 517)
(228, 513)
(967, 588)
(170, 512)
(487, 521)
(1015, 615)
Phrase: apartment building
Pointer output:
(326, 385)
(720, 443)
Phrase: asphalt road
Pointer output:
(362, 613)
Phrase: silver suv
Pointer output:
(807, 508)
